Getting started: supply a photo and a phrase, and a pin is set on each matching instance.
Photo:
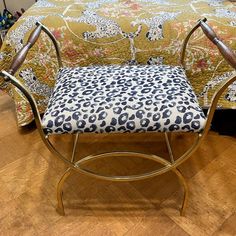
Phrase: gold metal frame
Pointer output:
(77, 166)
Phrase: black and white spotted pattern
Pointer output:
(123, 99)
(105, 27)
(33, 84)
(16, 36)
(156, 24)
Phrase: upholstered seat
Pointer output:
(104, 99)
(123, 99)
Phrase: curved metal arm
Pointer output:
(10, 78)
(227, 54)
(186, 40)
(225, 51)
(214, 102)
(20, 57)
(54, 41)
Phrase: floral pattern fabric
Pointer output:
(102, 32)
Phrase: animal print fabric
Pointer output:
(123, 99)
(123, 32)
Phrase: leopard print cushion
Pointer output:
(103, 99)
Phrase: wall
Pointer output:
(16, 5)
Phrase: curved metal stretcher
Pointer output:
(44, 126)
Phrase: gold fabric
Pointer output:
(121, 32)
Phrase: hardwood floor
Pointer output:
(29, 174)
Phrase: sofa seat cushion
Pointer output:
(103, 99)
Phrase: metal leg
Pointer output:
(60, 206)
(168, 138)
(186, 190)
(74, 147)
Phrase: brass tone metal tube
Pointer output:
(186, 40)
(214, 102)
(38, 121)
(186, 190)
(77, 166)
(225, 51)
(122, 154)
(122, 178)
(169, 147)
(75, 147)
(119, 154)
(55, 43)
(60, 205)
(21, 55)
(167, 165)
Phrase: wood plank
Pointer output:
(29, 176)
